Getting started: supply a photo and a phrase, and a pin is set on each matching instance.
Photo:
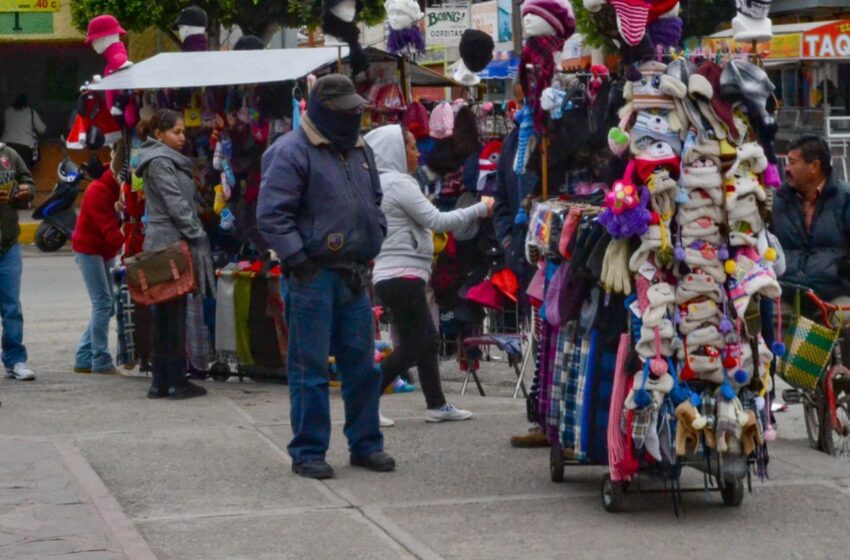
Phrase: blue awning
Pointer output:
(501, 69)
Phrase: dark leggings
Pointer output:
(168, 354)
(418, 341)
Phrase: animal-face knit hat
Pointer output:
(697, 285)
(103, 26)
(654, 125)
(646, 93)
(557, 13)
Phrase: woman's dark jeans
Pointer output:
(418, 340)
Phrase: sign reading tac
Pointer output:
(828, 41)
(444, 26)
(29, 5)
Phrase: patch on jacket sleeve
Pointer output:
(365, 165)
(335, 241)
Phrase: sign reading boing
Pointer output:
(828, 41)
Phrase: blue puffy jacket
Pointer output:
(820, 258)
(316, 204)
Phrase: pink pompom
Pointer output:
(658, 367)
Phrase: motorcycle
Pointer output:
(57, 214)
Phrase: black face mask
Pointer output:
(341, 128)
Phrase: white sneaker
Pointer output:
(386, 422)
(446, 412)
(21, 372)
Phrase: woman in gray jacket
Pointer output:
(172, 216)
(403, 267)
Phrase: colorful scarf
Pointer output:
(538, 53)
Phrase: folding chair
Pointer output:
(519, 364)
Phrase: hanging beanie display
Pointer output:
(347, 31)
(476, 49)
(405, 37)
(94, 126)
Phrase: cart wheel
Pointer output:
(811, 415)
(556, 463)
(613, 495)
(220, 371)
(733, 493)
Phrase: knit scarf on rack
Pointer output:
(538, 53)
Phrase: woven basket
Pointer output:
(809, 347)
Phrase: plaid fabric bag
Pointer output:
(809, 347)
(566, 342)
(572, 397)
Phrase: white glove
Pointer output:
(615, 268)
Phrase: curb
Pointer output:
(28, 233)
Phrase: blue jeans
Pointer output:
(93, 350)
(11, 269)
(321, 315)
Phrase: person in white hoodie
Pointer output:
(403, 267)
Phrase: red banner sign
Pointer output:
(829, 41)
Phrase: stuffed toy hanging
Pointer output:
(338, 20)
(405, 37)
(94, 126)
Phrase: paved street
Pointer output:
(91, 469)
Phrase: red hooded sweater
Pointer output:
(98, 230)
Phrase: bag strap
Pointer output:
(143, 282)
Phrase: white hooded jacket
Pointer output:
(410, 215)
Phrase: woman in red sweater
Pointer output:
(97, 240)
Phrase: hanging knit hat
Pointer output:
(704, 257)
(656, 155)
(666, 33)
(750, 156)
(708, 335)
(442, 121)
(476, 49)
(746, 81)
(661, 299)
(703, 175)
(193, 16)
(654, 125)
(645, 91)
(749, 277)
(703, 87)
(702, 229)
(557, 13)
(416, 120)
(739, 186)
(697, 285)
(632, 17)
(745, 222)
(666, 333)
(697, 314)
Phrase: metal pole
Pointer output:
(516, 26)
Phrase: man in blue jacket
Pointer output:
(811, 219)
(319, 209)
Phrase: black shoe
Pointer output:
(186, 391)
(157, 392)
(313, 469)
(378, 462)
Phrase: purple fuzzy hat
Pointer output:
(666, 32)
(405, 40)
(558, 13)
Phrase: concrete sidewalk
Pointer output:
(90, 468)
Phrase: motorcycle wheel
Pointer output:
(48, 238)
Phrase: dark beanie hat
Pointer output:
(249, 43)
(192, 16)
(476, 49)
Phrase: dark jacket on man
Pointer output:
(318, 204)
(820, 258)
(13, 172)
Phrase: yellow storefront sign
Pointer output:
(29, 5)
(780, 47)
